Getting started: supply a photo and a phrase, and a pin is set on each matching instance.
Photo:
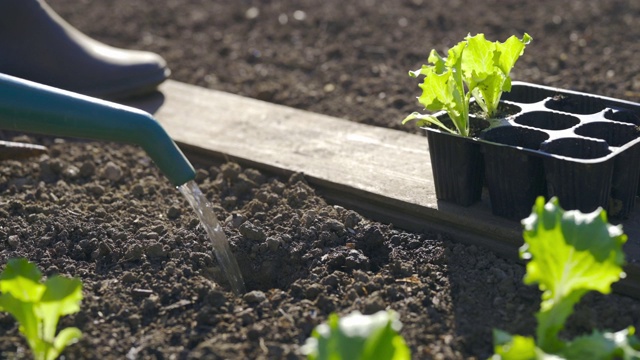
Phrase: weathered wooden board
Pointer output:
(382, 173)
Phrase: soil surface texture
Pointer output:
(103, 212)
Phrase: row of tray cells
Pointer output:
(558, 121)
(590, 140)
(568, 103)
(573, 103)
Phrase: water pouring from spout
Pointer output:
(221, 249)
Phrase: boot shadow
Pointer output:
(149, 102)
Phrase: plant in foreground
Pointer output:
(474, 67)
(358, 337)
(569, 254)
(38, 306)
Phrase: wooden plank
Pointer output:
(383, 173)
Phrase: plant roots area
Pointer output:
(103, 213)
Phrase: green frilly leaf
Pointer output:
(603, 346)
(358, 337)
(570, 254)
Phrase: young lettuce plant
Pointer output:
(570, 254)
(38, 306)
(475, 67)
(358, 337)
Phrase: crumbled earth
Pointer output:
(350, 59)
(152, 287)
(102, 212)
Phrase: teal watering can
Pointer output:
(30, 107)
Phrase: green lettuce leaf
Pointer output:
(487, 66)
(62, 297)
(569, 253)
(479, 60)
(474, 67)
(510, 51)
(65, 337)
(513, 347)
(38, 307)
(21, 279)
(358, 337)
(443, 89)
(20, 289)
(620, 345)
(516, 347)
(25, 314)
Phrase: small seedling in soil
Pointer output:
(358, 337)
(475, 67)
(569, 254)
(38, 306)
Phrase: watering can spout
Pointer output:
(30, 107)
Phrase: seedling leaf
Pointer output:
(21, 279)
(38, 307)
(425, 120)
(620, 345)
(24, 313)
(487, 66)
(513, 347)
(570, 254)
(510, 51)
(358, 337)
(65, 338)
(474, 67)
(62, 297)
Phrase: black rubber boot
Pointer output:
(38, 45)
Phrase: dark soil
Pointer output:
(350, 59)
(103, 212)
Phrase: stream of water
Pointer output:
(221, 248)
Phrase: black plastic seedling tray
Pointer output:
(580, 147)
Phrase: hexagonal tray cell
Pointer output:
(516, 136)
(523, 93)
(575, 104)
(505, 110)
(547, 120)
(623, 115)
(577, 148)
(614, 134)
(514, 178)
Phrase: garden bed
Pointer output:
(104, 213)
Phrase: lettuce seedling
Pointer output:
(475, 67)
(38, 306)
(358, 337)
(569, 253)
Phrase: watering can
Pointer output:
(31, 107)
